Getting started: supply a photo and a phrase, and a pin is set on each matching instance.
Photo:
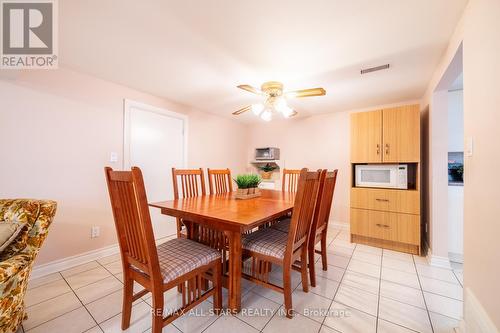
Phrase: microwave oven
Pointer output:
(267, 153)
(382, 175)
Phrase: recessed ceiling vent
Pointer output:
(374, 69)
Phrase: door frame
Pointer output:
(128, 104)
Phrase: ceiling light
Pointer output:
(257, 108)
(266, 115)
(280, 105)
(287, 112)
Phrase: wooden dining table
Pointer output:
(230, 217)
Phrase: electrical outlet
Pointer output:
(95, 231)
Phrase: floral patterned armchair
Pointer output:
(17, 259)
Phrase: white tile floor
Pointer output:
(365, 289)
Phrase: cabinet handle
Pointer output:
(387, 149)
(378, 149)
(383, 200)
(382, 225)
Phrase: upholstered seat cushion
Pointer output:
(180, 256)
(268, 241)
(283, 225)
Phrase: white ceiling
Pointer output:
(197, 52)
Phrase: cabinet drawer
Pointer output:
(399, 201)
(403, 228)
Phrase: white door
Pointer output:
(155, 142)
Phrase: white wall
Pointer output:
(456, 193)
(456, 121)
(57, 129)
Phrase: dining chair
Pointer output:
(220, 181)
(319, 227)
(192, 184)
(290, 180)
(178, 262)
(270, 246)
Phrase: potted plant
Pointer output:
(253, 185)
(267, 170)
(242, 181)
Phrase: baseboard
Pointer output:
(456, 257)
(475, 316)
(438, 261)
(69, 262)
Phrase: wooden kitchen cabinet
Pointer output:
(401, 134)
(366, 137)
(386, 217)
(386, 136)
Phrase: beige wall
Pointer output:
(321, 141)
(481, 118)
(479, 31)
(57, 129)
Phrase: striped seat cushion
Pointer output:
(180, 256)
(283, 225)
(268, 241)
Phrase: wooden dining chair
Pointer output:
(178, 262)
(319, 226)
(270, 246)
(192, 184)
(220, 181)
(290, 180)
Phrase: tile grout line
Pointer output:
(46, 321)
(423, 296)
(95, 321)
(379, 291)
(340, 282)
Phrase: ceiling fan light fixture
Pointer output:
(257, 109)
(266, 115)
(280, 105)
(287, 112)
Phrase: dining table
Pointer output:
(224, 219)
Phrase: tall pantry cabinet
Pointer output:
(383, 217)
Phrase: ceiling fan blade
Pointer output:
(293, 114)
(306, 92)
(250, 89)
(242, 110)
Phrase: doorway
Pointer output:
(155, 140)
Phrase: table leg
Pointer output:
(234, 271)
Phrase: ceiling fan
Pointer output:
(275, 99)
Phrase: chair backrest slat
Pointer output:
(192, 182)
(290, 180)
(220, 181)
(325, 199)
(132, 220)
(303, 209)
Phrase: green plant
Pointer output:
(268, 167)
(247, 181)
(254, 181)
(243, 181)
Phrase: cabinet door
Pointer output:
(366, 137)
(401, 134)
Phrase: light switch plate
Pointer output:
(113, 157)
(469, 146)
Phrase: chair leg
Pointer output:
(128, 291)
(218, 288)
(323, 251)
(312, 269)
(303, 268)
(287, 289)
(157, 311)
